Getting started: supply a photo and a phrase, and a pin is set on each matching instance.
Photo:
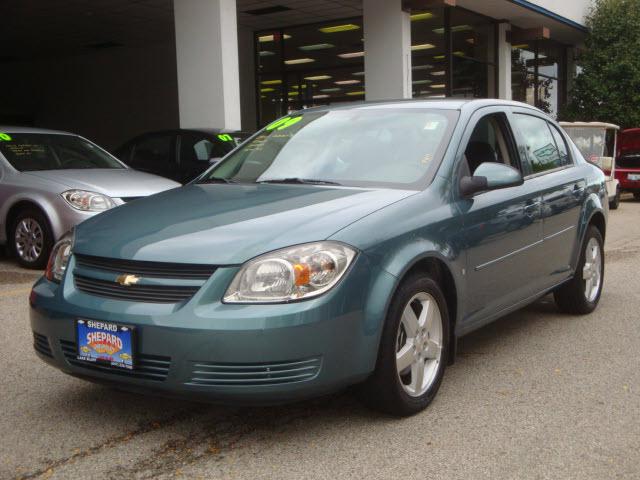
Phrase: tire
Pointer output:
(615, 203)
(30, 238)
(398, 394)
(636, 195)
(576, 296)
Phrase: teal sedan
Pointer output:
(336, 246)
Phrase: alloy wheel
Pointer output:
(29, 239)
(419, 344)
(592, 270)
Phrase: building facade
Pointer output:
(388, 49)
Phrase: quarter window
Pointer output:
(561, 144)
(541, 150)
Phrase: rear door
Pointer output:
(550, 169)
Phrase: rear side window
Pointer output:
(542, 152)
(153, 152)
(563, 150)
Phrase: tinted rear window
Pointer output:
(33, 151)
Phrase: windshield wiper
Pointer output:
(216, 180)
(303, 181)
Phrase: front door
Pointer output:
(502, 228)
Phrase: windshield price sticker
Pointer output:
(5, 137)
(225, 137)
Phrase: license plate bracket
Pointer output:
(105, 343)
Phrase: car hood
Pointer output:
(113, 182)
(226, 224)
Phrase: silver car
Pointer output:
(51, 181)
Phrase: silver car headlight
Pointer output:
(292, 273)
(88, 201)
(59, 259)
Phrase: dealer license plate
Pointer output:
(633, 177)
(105, 343)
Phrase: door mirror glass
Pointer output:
(490, 176)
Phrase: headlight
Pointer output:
(59, 258)
(88, 201)
(293, 273)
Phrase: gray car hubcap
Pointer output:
(419, 344)
(29, 240)
(592, 270)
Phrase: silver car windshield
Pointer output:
(365, 147)
(28, 152)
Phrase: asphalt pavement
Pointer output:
(535, 395)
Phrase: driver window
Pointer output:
(488, 143)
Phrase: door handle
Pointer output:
(578, 190)
(530, 209)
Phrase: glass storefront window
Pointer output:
(473, 52)
(536, 74)
(309, 66)
(428, 60)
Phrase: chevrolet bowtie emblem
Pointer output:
(127, 280)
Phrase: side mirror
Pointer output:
(490, 176)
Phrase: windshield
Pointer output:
(28, 152)
(376, 147)
(593, 142)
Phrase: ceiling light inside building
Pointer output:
(270, 38)
(351, 55)
(271, 82)
(438, 73)
(330, 90)
(316, 46)
(422, 46)
(266, 53)
(354, 94)
(455, 28)
(421, 67)
(421, 16)
(340, 28)
(421, 82)
(346, 82)
(318, 77)
(358, 74)
(298, 61)
(267, 90)
(320, 96)
(438, 85)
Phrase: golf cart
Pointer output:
(597, 143)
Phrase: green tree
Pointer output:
(608, 87)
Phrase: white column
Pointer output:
(207, 59)
(387, 46)
(504, 62)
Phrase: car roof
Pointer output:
(589, 124)
(15, 129)
(437, 104)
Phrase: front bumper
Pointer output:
(204, 349)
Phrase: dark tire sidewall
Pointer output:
(386, 376)
(47, 240)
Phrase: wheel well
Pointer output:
(597, 220)
(440, 272)
(15, 209)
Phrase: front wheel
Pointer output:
(31, 238)
(413, 349)
(582, 294)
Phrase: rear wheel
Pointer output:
(582, 294)
(31, 239)
(413, 349)
(636, 195)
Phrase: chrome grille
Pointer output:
(147, 367)
(225, 374)
(185, 271)
(138, 293)
(41, 345)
